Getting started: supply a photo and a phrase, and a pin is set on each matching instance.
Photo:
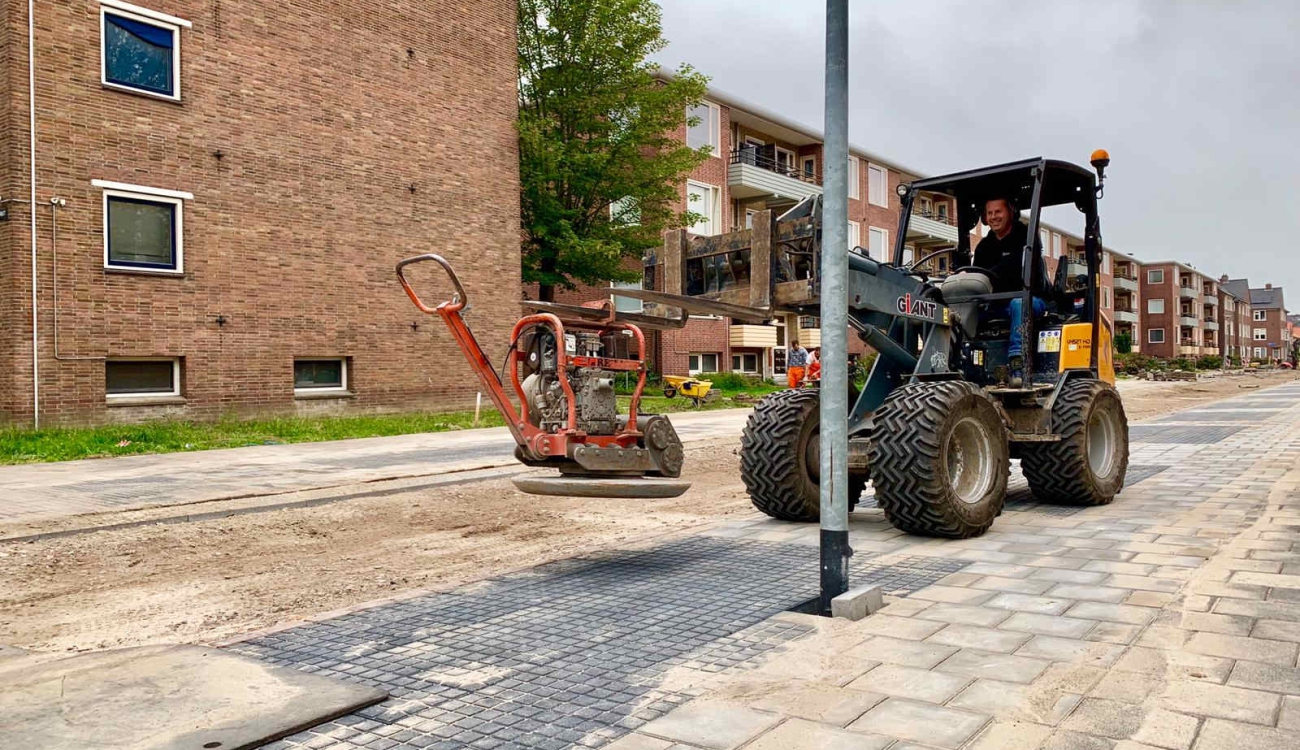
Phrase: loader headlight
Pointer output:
(902, 190)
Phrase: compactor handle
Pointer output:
(458, 300)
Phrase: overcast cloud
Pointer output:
(1197, 102)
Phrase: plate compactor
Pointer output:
(562, 365)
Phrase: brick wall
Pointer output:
(1167, 290)
(322, 141)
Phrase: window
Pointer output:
(810, 168)
(1155, 335)
(744, 363)
(853, 177)
(625, 212)
(142, 378)
(785, 161)
(1056, 245)
(1261, 334)
(140, 50)
(702, 363)
(1156, 306)
(142, 228)
(703, 127)
(749, 218)
(878, 186)
(941, 210)
(855, 238)
(1260, 315)
(702, 199)
(1105, 262)
(909, 254)
(879, 249)
(1105, 297)
(320, 375)
(1044, 239)
(627, 304)
(1156, 277)
(1259, 352)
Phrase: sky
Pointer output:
(1197, 101)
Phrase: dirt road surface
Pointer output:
(202, 581)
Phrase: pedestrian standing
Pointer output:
(796, 364)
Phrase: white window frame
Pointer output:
(175, 392)
(1105, 297)
(1155, 302)
(749, 218)
(715, 221)
(1260, 316)
(714, 124)
(855, 234)
(1260, 334)
(153, 18)
(803, 167)
(343, 372)
(699, 362)
(881, 200)
(614, 209)
(884, 233)
(1156, 276)
(793, 159)
(640, 304)
(1151, 338)
(855, 169)
(1259, 352)
(156, 195)
(758, 363)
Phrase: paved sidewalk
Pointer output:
(34, 491)
(1169, 619)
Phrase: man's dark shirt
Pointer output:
(1004, 258)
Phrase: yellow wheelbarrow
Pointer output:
(698, 391)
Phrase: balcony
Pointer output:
(1125, 316)
(1187, 321)
(1187, 292)
(1190, 349)
(758, 337)
(1124, 280)
(751, 174)
(1210, 325)
(926, 229)
(1210, 299)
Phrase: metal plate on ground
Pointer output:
(163, 698)
(632, 487)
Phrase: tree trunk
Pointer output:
(546, 292)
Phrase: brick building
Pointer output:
(1126, 286)
(232, 184)
(1235, 318)
(1271, 333)
(1180, 310)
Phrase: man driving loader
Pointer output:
(1002, 255)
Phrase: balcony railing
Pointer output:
(756, 158)
(1188, 292)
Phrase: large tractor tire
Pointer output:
(1088, 464)
(940, 459)
(780, 454)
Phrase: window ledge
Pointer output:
(139, 92)
(147, 401)
(319, 395)
(144, 271)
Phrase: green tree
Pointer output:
(600, 168)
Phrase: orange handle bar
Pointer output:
(458, 301)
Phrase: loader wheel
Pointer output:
(670, 392)
(780, 451)
(1087, 466)
(939, 459)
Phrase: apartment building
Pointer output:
(1271, 333)
(1235, 318)
(1178, 318)
(1126, 285)
(222, 191)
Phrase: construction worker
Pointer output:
(1001, 253)
(815, 365)
(796, 364)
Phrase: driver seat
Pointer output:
(961, 293)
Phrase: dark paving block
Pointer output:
(1182, 433)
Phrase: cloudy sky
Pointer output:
(1198, 103)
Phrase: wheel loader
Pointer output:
(943, 409)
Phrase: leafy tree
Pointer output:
(600, 168)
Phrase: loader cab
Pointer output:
(1054, 341)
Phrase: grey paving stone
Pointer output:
(1011, 585)
(967, 615)
(910, 682)
(798, 734)
(1213, 623)
(1000, 569)
(1218, 734)
(1069, 576)
(1174, 663)
(828, 704)
(1090, 593)
(636, 741)
(1222, 701)
(1290, 717)
(906, 653)
(1065, 627)
(983, 639)
(1105, 718)
(712, 724)
(1167, 729)
(1064, 740)
(1180, 561)
(1239, 647)
(1070, 650)
(899, 627)
(1261, 676)
(920, 722)
(1143, 583)
(1113, 632)
(1120, 568)
(993, 666)
(1277, 630)
(1034, 604)
(953, 595)
(992, 697)
(1127, 687)
(1121, 613)
(1011, 734)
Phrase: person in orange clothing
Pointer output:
(815, 365)
(796, 364)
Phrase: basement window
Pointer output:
(140, 50)
(142, 378)
(142, 228)
(702, 363)
(320, 375)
